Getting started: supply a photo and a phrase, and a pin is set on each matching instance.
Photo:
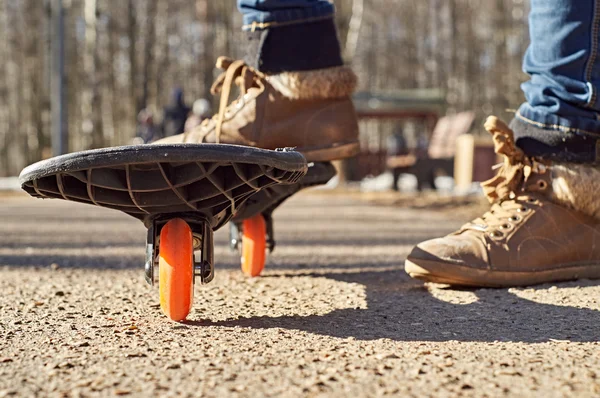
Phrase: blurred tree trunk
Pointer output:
(16, 144)
(354, 30)
(161, 48)
(111, 97)
(74, 75)
(206, 11)
(499, 18)
(133, 64)
(149, 43)
(4, 90)
(31, 85)
(91, 127)
(452, 80)
(103, 61)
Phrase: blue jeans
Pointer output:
(560, 118)
(259, 14)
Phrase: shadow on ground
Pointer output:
(404, 310)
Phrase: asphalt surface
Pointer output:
(333, 316)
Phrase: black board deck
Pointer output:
(148, 180)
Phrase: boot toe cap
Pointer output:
(444, 259)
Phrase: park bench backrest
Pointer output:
(445, 133)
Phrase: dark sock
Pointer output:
(298, 47)
(554, 144)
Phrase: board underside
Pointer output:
(150, 180)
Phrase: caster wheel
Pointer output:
(176, 269)
(254, 245)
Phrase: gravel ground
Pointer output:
(334, 314)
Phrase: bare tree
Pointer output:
(91, 126)
(354, 29)
(4, 90)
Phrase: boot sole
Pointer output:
(329, 153)
(453, 274)
(313, 154)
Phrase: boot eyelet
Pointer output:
(506, 226)
(523, 210)
(542, 184)
(531, 200)
(496, 234)
(515, 218)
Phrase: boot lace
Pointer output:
(502, 216)
(236, 73)
(506, 191)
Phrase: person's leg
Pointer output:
(292, 35)
(560, 118)
(545, 217)
(295, 90)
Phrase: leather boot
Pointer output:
(543, 226)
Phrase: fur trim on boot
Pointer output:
(577, 186)
(336, 82)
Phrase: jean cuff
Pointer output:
(551, 121)
(271, 19)
(556, 138)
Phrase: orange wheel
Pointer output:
(176, 269)
(254, 245)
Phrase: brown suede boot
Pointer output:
(543, 226)
(309, 110)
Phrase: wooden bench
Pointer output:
(440, 154)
